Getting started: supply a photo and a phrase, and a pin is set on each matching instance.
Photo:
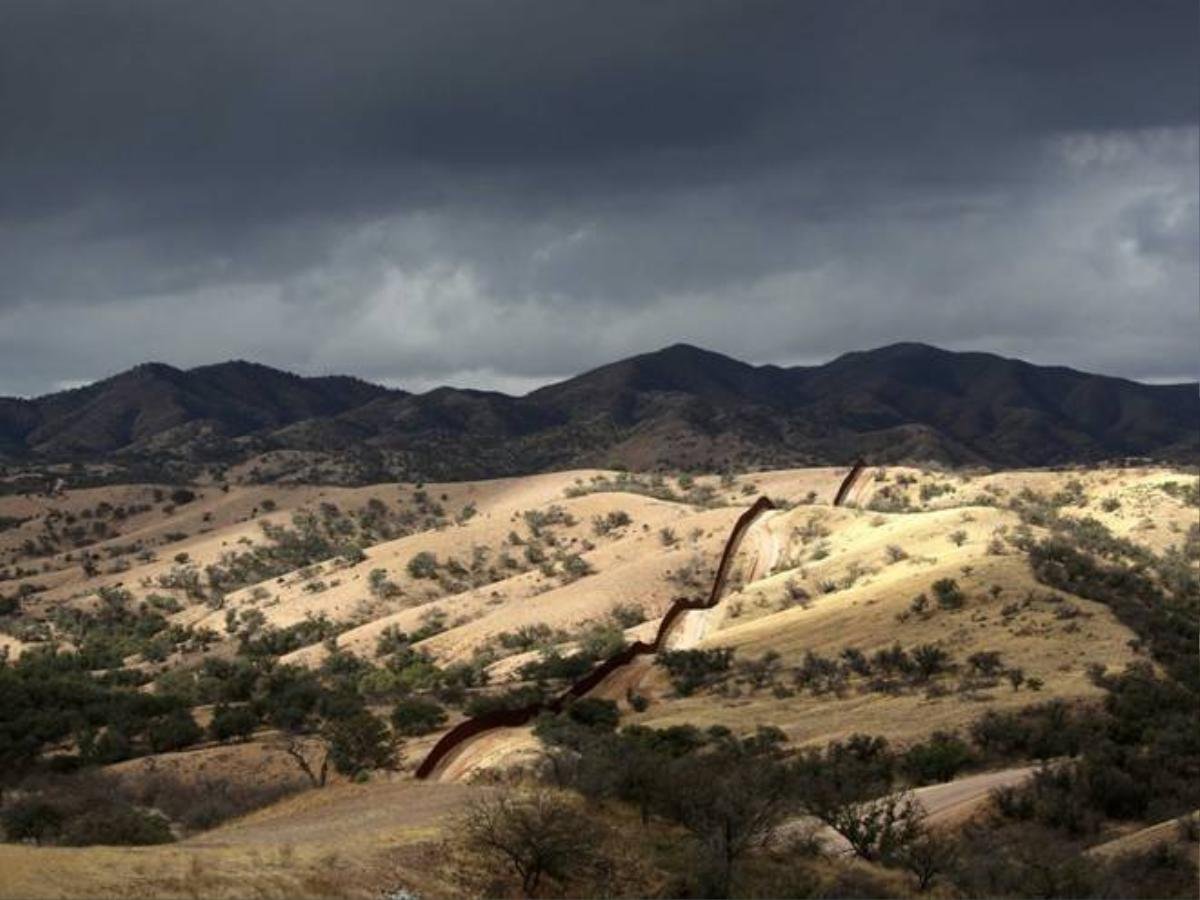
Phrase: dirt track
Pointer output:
(944, 804)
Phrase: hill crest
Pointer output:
(681, 406)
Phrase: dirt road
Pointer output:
(944, 804)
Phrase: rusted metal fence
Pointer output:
(514, 718)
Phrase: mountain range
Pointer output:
(681, 407)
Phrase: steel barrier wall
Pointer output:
(514, 718)
(848, 482)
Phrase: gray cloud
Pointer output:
(500, 194)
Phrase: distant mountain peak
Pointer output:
(680, 405)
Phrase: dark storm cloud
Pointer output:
(498, 193)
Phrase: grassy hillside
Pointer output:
(913, 610)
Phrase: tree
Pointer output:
(298, 752)
(175, 730)
(536, 834)
(878, 830)
(1016, 677)
(359, 742)
(930, 659)
(927, 857)
(593, 712)
(413, 716)
(732, 802)
(232, 722)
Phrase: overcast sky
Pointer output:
(499, 194)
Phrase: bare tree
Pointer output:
(534, 834)
(732, 805)
(927, 857)
(296, 749)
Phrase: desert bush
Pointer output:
(527, 637)
(948, 594)
(690, 670)
(986, 663)
(553, 666)
(613, 521)
(627, 615)
(940, 758)
(515, 698)
(423, 565)
(929, 660)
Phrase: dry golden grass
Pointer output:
(354, 840)
(343, 841)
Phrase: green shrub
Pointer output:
(423, 565)
(938, 759)
(948, 594)
(592, 712)
(690, 670)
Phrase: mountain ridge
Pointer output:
(679, 406)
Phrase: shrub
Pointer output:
(948, 594)
(575, 567)
(627, 615)
(31, 819)
(117, 825)
(689, 670)
(603, 525)
(930, 660)
(182, 496)
(553, 666)
(423, 565)
(938, 759)
(516, 698)
(592, 712)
